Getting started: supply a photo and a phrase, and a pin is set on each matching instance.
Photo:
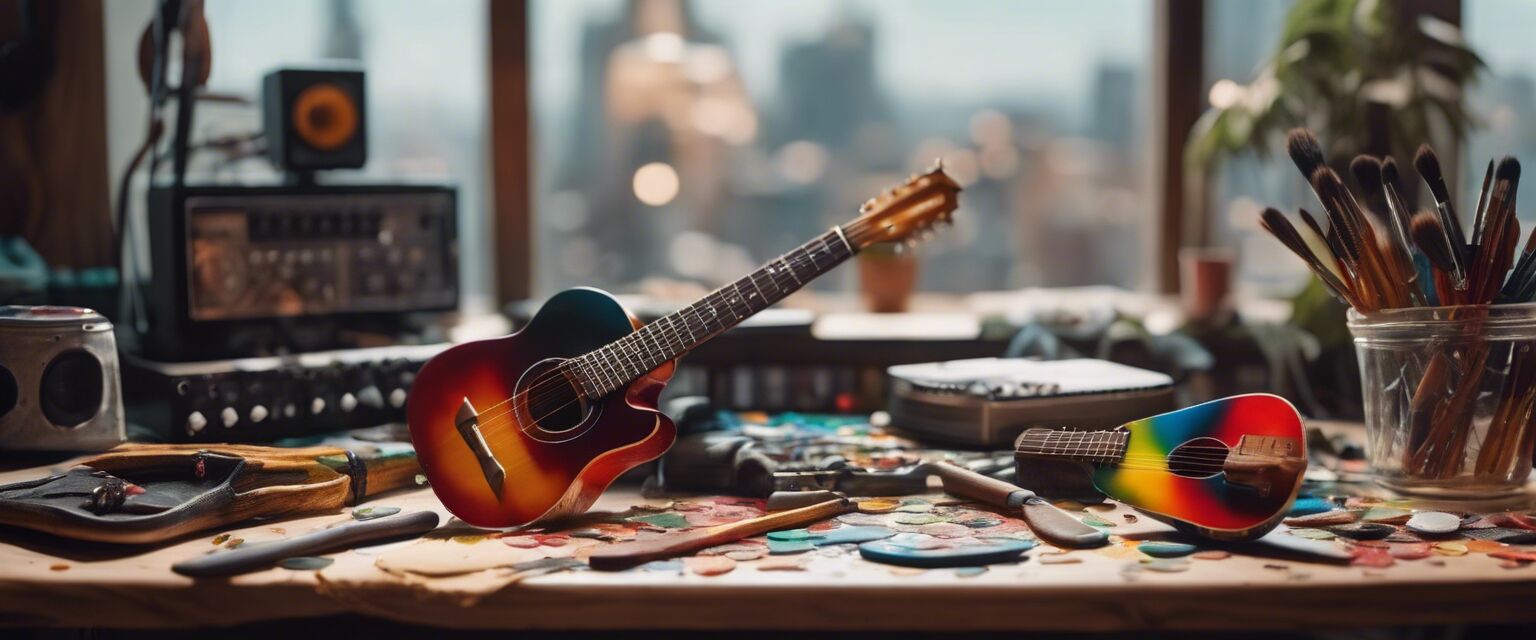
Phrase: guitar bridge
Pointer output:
(468, 423)
(1263, 463)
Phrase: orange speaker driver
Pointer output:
(324, 116)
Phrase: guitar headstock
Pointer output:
(906, 211)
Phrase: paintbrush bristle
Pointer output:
(1508, 169)
(1428, 165)
(1305, 151)
(1367, 172)
(1389, 171)
(1431, 239)
(1332, 192)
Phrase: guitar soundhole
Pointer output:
(553, 402)
(1198, 458)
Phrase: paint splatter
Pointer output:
(918, 519)
(786, 547)
(1211, 554)
(220, 539)
(789, 534)
(709, 565)
(58, 566)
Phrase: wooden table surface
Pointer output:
(46, 582)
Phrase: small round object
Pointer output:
(196, 421)
(1434, 523)
(348, 402)
(290, 410)
(880, 419)
(963, 556)
(397, 398)
(258, 413)
(229, 417)
(316, 406)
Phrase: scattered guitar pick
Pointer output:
(1505, 535)
(1386, 515)
(852, 535)
(369, 513)
(1411, 551)
(1362, 530)
(1211, 554)
(1522, 556)
(789, 534)
(1060, 558)
(1308, 505)
(709, 565)
(877, 505)
(1434, 523)
(1514, 520)
(965, 556)
(1337, 516)
(1454, 548)
(786, 547)
(1166, 549)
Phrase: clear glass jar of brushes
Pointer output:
(1450, 397)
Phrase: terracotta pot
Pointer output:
(886, 280)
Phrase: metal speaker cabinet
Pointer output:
(59, 382)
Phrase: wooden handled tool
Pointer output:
(1051, 524)
(629, 554)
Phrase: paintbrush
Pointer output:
(1428, 165)
(1372, 268)
(1396, 245)
(1524, 269)
(1401, 216)
(1482, 205)
(1311, 249)
(1431, 238)
(1489, 269)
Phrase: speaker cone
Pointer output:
(71, 390)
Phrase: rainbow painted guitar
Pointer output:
(1227, 469)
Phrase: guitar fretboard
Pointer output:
(613, 366)
(1083, 446)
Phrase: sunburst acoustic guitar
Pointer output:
(535, 425)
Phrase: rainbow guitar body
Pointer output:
(536, 469)
(537, 424)
(1227, 469)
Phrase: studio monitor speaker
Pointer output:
(59, 384)
(315, 119)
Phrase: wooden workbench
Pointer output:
(45, 582)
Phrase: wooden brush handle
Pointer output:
(965, 483)
(629, 554)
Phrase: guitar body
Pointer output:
(550, 470)
(1260, 438)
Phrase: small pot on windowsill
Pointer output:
(887, 276)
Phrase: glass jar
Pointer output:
(1449, 397)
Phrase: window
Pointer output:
(1505, 98)
(1240, 38)
(691, 141)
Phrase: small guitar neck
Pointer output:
(613, 366)
(1106, 447)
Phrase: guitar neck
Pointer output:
(1105, 447)
(613, 366)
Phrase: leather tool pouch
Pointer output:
(150, 493)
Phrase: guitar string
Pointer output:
(1173, 458)
(548, 377)
(543, 380)
(854, 229)
(1062, 445)
(553, 376)
(485, 423)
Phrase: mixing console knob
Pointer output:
(348, 402)
(371, 397)
(397, 398)
(290, 410)
(258, 413)
(229, 416)
(195, 422)
(316, 406)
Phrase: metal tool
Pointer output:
(246, 559)
(1051, 524)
